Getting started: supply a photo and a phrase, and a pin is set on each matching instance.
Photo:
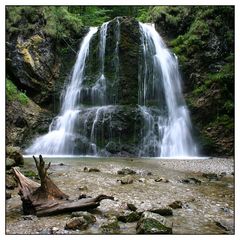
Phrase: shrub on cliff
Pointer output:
(13, 93)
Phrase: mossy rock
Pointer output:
(90, 218)
(15, 154)
(129, 216)
(10, 163)
(36, 39)
(10, 182)
(77, 223)
(152, 223)
(111, 226)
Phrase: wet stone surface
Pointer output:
(207, 208)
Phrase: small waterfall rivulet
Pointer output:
(61, 129)
(94, 119)
(167, 133)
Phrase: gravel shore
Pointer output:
(208, 201)
(207, 165)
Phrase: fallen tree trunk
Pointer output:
(46, 198)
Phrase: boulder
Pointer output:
(8, 195)
(127, 180)
(191, 180)
(211, 176)
(113, 148)
(15, 154)
(90, 218)
(227, 225)
(29, 217)
(152, 223)
(162, 211)
(10, 163)
(10, 181)
(126, 171)
(110, 226)
(129, 216)
(161, 179)
(94, 170)
(176, 204)
(75, 223)
(86, 169)
(131, 207)
(37, 119)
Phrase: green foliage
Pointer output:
(13, 93)
(60, 23)
(171, 17)
(21, 19)
(199, 27)
(139, 12)
(223, 120)
(56, 21)
(93, 15)
(143, 15)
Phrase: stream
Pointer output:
(207, 204)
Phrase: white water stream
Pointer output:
(167, 126)
(167, 134)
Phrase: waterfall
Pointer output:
(61, 131)
(94, 118)
(99, 89)
(167, 132)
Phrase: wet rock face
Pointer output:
(120, 62)
(33, 66)
(25, 122)
(115, 129)
(128, 56)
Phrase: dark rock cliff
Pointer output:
(37, 63)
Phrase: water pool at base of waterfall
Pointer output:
(205, 205)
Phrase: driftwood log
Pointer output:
(46, 198)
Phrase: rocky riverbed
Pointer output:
(196, 196)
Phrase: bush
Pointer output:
(60, 23)
(13, 94)
(55, 21)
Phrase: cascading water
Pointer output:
(94, 119)
(167, 132)
(62, 128)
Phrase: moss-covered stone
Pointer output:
(77, 223)
(90, 218)
(111, 226)
(15, 154)
(10, 182)
(129, 216)
(10, 163)
(152, 223)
